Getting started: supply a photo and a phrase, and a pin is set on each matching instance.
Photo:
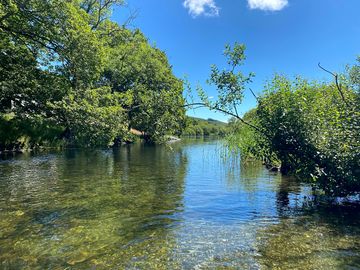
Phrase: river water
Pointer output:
(188, 206)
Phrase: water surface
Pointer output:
(143, 207)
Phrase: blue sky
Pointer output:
(281, 36)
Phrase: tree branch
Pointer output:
(132, 16)
(235, 109)
(102, 6)
(36, 38)
(338, 85)
(231, 114)
(255, 96)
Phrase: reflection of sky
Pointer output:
(236, 215)
(226, 204)
(217, 192)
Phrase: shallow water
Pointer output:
(142, 207)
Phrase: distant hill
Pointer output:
(204, 127)
(209, 121)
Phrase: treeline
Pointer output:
(71, 76)
(201, 127)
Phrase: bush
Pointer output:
(311, 131)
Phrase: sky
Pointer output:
(288, 37)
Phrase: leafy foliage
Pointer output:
(67, 63)
(309, 130)
(354, 76)
(31, 131)
(245, 140)
(144, 72)
(313, 132)
(229, 82)
(94, 117)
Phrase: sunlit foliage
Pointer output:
(67, 63)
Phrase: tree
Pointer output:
(313, 132)
(56, 55)
(143, 71)
(230, 84)
(94, 117)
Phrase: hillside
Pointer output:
(204, 127)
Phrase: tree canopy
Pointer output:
(67, 64)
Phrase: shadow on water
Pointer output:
(86, 209)
(309, 234)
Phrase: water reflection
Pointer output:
(111, 208)
(290, 196)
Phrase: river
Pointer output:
(190, 205)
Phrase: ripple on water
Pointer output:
(142, 207)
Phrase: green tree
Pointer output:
(314, 132)
(143, 71)
(230, 83)
(94, 117)
(58, 55)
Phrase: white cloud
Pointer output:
(209, 7)
(271, 5)
(201, 7)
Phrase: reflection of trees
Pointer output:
(111, 208)
(320, 238)
(287, 186)
(250, 176)
(250, 173)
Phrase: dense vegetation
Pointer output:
(201, 127)
(309, 129)
(69, 75)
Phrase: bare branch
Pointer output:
(101, 11)
(255, 96)
(235, 109)
(131, 18)
(338, 85)
(328, 71)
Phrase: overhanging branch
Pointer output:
(257, 129)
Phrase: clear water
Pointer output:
(142, 207)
